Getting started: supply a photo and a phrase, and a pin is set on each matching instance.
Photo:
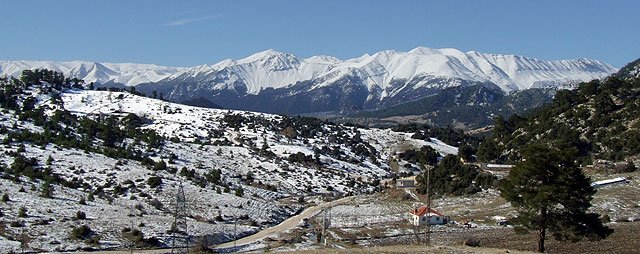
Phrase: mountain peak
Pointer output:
(323, 59)
(262, 55)
(435, 51)
(272, 60)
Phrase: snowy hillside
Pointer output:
(77, 157)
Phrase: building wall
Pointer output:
(406, 183)
(422, 220)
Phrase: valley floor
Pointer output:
(355, 229)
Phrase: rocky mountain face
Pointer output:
(111, 74)
(276, 82)
(272, 81)
(468, 107)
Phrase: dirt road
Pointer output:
(285, 225)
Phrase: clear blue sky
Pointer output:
(188, 33)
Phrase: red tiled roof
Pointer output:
(421, 211)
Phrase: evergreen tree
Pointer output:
(466, 152)
(550, 192)
(49, 160)
(47, 190)
(239, 191)
(450, 176)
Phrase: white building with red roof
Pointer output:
(420, 216)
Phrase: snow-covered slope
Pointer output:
(276, 172)
(277, 82)
(122, 73)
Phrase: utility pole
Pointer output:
(428, 232)
(23, 243)
(324, 226)
(131, 238)
(235, 231)
(326, 223)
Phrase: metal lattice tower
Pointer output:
(180, 237)
(326, 223)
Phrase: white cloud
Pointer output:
(185, 21)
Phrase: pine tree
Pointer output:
(239, 191)
(49, 160)
(551, 193)
(47, 190)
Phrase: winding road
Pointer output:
(285, 225)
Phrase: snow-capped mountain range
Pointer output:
(129, 74)
(324, 83)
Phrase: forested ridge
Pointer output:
(600, 119)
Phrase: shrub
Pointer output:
(239, 191)
(82, 201)
(631, 167)
(139, 207)
(42, 222)
(22, 212)
(5, 198)
(90, 197)
(160, 165)
(135, 235)
(17, 224)
(154, 181)
(82, 232)
(472, 242)
(156, 203)
(94, 240)
(80, 215)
